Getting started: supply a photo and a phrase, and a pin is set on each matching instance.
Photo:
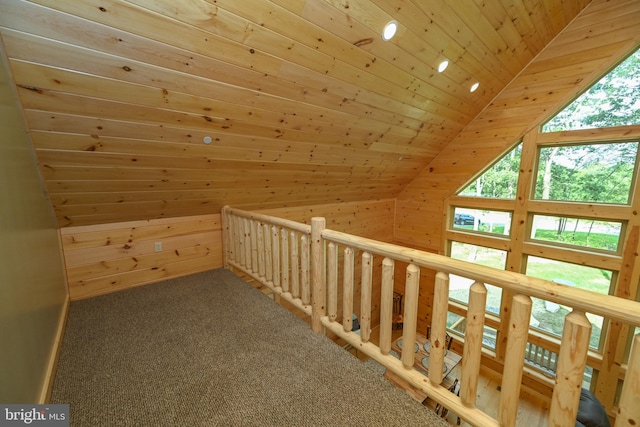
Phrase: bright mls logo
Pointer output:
(34, 415)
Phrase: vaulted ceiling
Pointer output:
(302, 101)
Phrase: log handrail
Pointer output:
(286, 223)
(608, 306)
(313, 267)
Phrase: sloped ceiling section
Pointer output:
(302, 101)
(600, 37)
(603, 34)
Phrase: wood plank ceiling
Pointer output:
(303, 101)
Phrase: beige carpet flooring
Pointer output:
(210, 350)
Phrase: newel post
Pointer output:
(318, 224)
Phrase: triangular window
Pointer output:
(612, 101)
(500, 181)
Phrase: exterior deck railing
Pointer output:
(301, 264)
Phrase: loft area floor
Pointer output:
(533, 409)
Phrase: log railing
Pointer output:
(275, 252)
(300, 263)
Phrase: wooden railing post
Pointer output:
(514, 360)
(473, 343)
(571, 362)
(628, 407)
(275, 256)
(226, 237)
(295, 264)
(246, 225)
(253, 230)
(411, 293)
(261, 251)
(317, 273)
(438, 327)
(284, 260)
(268, 254)
(365, 296)
(386, 305)
(240, 257)
(304, 270)
(332, 281)
(347, 290)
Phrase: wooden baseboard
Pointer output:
(47, 384)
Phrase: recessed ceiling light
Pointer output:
(474, 87)
(207, 140)
(389, 30)
(443, 66)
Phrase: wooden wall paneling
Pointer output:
(237, 35)
(418, 224)
(134, 278)
(327, 53)
(110, 257)
(270, 82)
(365, 22)
(497, 16)
(237, 147)
(265, 110)
(109, 234)
(178, 59)
(372, 219)
(125, 92)
(81, 105)
(220, 193)
(463, 63)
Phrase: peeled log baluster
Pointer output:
(514, 360)
(295, 264)
(365, 296)
(240, 239)
(347, 290)
(268, 253)
(332, 281)
(275, 256)
(386, 305)
(253, 235)
(318, 225)
(284, 260)
(439, 327)
(305, 281)
(261, 250)
(411, 292)
(571, 362)
(473, 343)
(247, 242)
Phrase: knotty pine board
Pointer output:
(111, 257)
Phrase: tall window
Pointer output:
(500, 181)
(599, 173)
(572, 227)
